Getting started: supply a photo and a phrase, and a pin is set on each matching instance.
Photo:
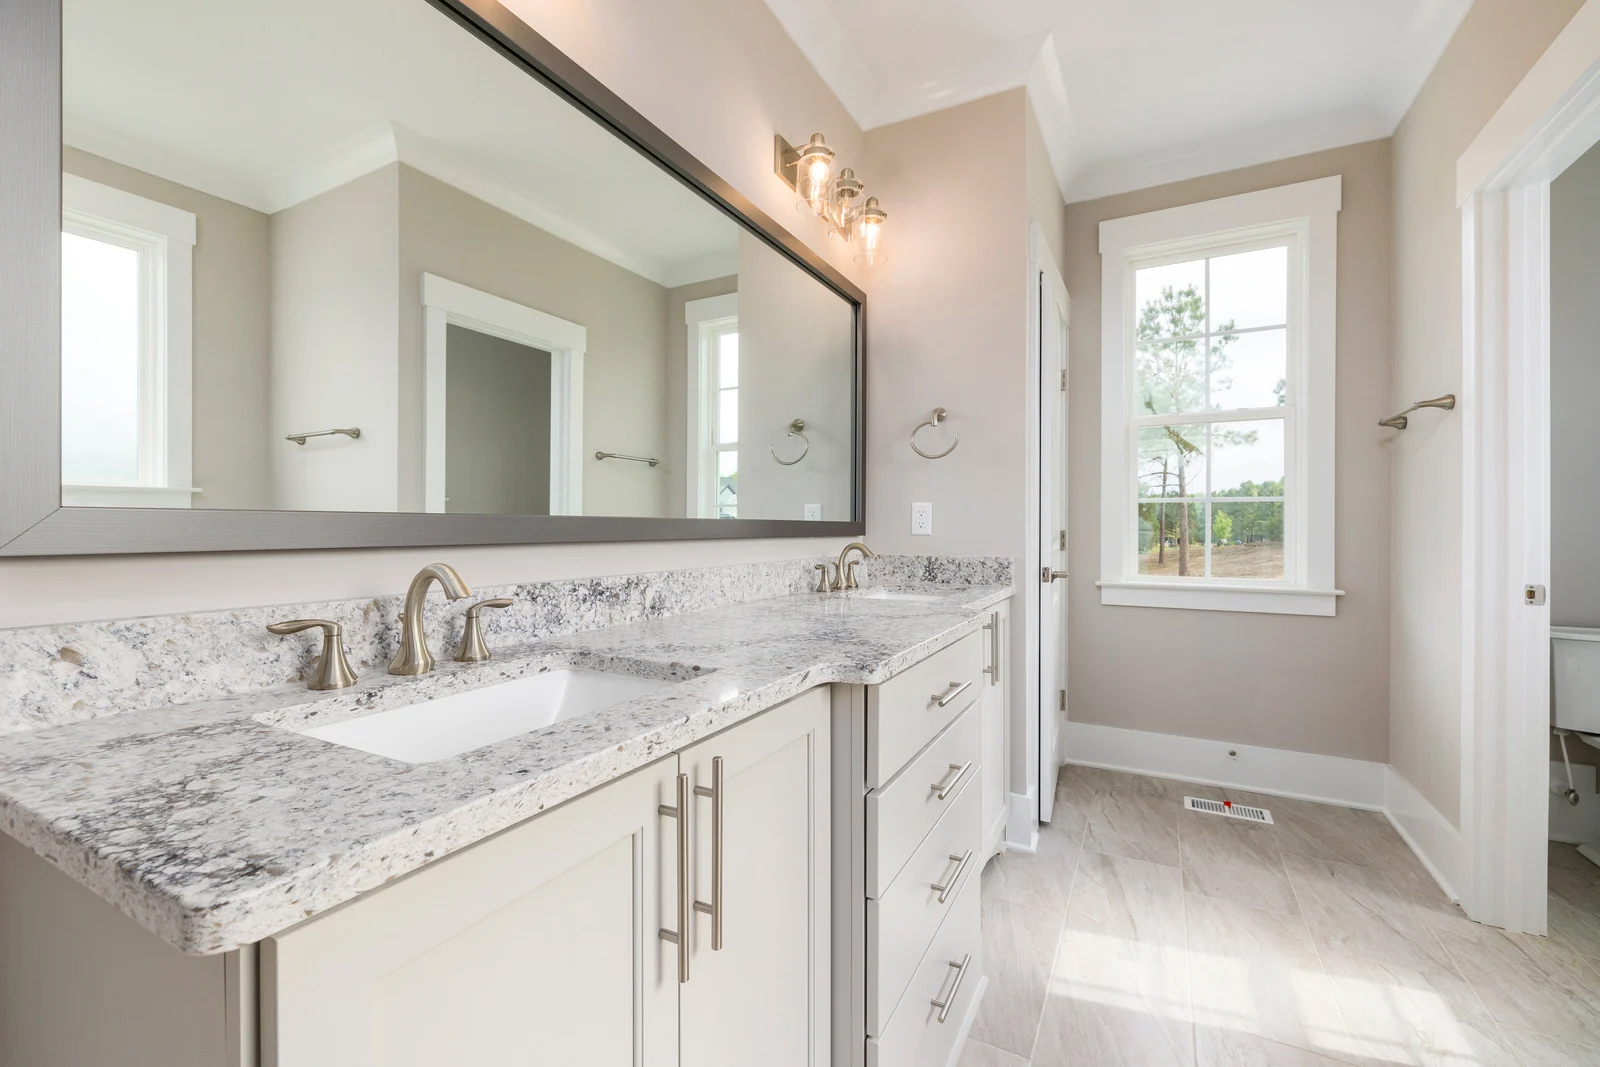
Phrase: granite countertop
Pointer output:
(214, 824)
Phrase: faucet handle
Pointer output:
(824, 582)
(331, 670)
(473, 649)
(850, 575)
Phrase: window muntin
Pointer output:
(723, 346)
(1211, 413)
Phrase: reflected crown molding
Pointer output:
(378, 147)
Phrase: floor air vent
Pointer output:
(1228, 808)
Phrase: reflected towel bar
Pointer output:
(797, 428)
(300, 438)
(1399, 422)
(635, 459)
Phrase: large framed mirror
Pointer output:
(351, 273)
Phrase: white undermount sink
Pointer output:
(451, 725)
(885, 594)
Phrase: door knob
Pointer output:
(1046, 575)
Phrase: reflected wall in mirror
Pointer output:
(357, 216)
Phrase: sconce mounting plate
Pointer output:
(785, 160)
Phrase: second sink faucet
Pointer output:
(414, 657)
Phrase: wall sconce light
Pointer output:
(809, 171)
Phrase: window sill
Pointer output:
(1268, 600)
(127, 496)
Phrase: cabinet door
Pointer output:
(762, 997)
(537, 946)
(996, 734)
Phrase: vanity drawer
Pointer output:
(950, 973)
(904, 712)
(900, 814)
(903, 922)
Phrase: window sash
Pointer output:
(711, 333)
(1288, 412)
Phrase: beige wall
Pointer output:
(1045, 206)
(719, 76)
(447, 232)
(1497, 43)
(335, 331)
(676, 399)
(232, 291)
(1294, 682)
(1574, 383)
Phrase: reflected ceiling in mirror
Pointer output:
(350, 258)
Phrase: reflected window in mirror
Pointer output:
(713, 346)
(125, 328)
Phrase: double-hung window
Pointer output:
(126, 337)
(1217, 414)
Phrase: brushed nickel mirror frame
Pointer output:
(32, 520)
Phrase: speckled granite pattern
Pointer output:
(53, 675)
(936, 570)
(213, 826)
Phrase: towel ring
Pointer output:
(938, 416)
(796, 429)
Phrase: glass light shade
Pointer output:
(846, 205)
(869, 234)
(813, 178)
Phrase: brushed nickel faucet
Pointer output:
(844, 574)
(414, 657)
(331, 669)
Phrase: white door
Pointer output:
(537, 945)
(1052, 334)
(760, 995)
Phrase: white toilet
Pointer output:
(1575, 691)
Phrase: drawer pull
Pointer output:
(714, 909)
(680, 937)
(993, 626)
(961, 972)
(955, 690)
(961, 865)
(957, 771)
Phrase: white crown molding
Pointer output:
(701, 268)
(362, 154)
(1219, 154)
(86, 136)
(1412, 56)
(1047, 89)
(823, 41)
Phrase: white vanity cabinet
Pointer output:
(996, 713)
(542, 944)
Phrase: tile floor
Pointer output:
(1146, 935)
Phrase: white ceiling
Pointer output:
(269, 111)
(1133, 93)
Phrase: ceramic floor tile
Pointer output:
(1364, 912)
(1258, 972)
(1019, 945)
(1043, 879)
(1233, 860)
(1218, 1047)
(1137, 826)
(1537, 1050)
(1364, 838)
(1575, 925)
(1529, 983)
(977, 1054)
(1119, 991)
(1567, 856)
(1423, 1016)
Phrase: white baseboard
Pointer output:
(1437, 843)
(1022, 822)
(1279, 772)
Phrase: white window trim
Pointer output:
(700, 318)
(165, 238)
(1308, 214)
(446, 303)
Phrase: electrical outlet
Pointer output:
(922, 520)
(813, 512)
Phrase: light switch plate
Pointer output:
(813, 512)
(922, 520)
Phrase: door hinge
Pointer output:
(1061, 700)
(1063, 380)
